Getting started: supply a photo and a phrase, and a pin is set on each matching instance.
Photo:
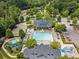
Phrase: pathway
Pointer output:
(8, 52)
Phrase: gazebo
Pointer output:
(42, 24)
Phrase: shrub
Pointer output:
(55, 45)
(30, 43)
(64, 57)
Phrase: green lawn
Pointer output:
(4, 55)
(1, 56)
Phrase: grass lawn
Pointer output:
(1, 56)
(4, 55)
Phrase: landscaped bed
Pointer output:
(65, 40)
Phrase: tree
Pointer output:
(63, 27)
(55, 12)
(68, 18)
(49, 7)
(59, 18)
(20, 56)
(30, 21)
(53, 22)
(35, 10)
(27, 19)
(55, 45)
(21, 18)
(9, 34)
(2, 29)
(76, 13)
(39, 15)
(75, 20)
(21, 33)
(9, 14)
(31, 43)
(30, 25)
(46, 15)
(60, 27)
(65, 13)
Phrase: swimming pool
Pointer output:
(42, 36)
(12, 42)
(66, 49)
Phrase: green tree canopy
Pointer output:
(49, 7)
(9, 34)
(65, 13)
(31, 43)
(59, 18)
(21, 18)
(68, 18)
(46, 15)
(21, 33)
(60, 27)
(55, 45)
(75, 20)
(39, 15)
(76, 13)
(20, 56)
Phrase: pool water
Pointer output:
(14, 41)
(66, 49)
(42, 36)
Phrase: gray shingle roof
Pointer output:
(41, 52)
(42, 23)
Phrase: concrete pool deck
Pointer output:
(30, 32)
(46, 42)
(72, 53)
(75, 54)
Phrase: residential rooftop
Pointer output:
(42, 52)
(42, 24)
